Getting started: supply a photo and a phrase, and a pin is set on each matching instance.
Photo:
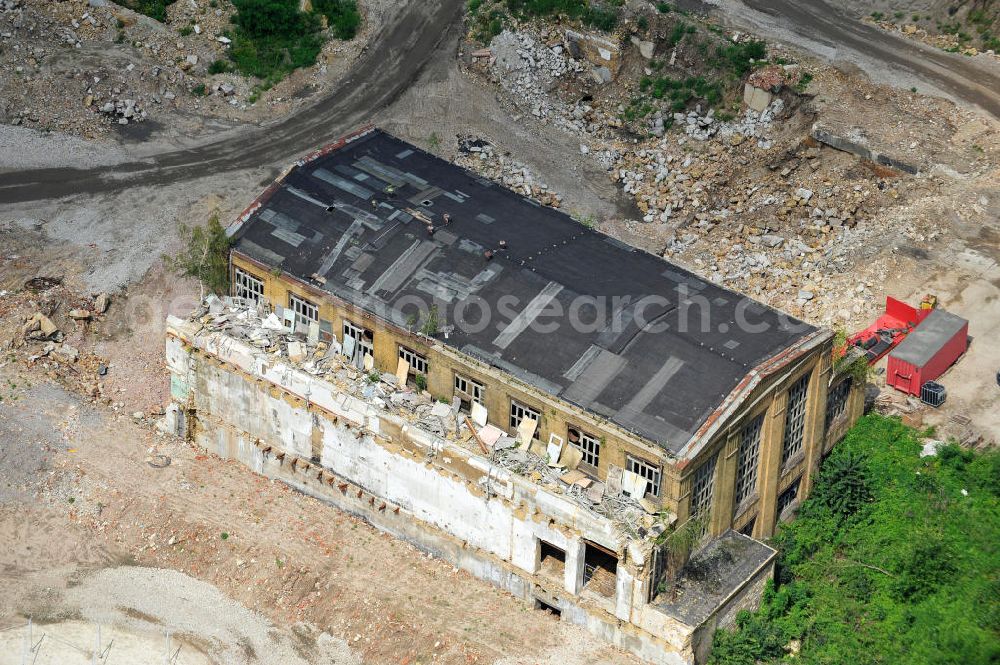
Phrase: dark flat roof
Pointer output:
(352, 217)
(712, 575)
(930, 335)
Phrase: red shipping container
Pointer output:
(936, 343)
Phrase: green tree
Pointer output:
(892, 559)
(205, 256)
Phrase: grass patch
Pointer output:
(892, 559)
(152, 8)
(272, 38)
(603, 16)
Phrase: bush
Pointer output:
(892, 560)
(341, 15)
(585, 11)
(273, 38)
(205, 256)
(153, 8)
(220, 67)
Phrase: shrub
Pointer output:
(205, 256)
(220, 67)
(273, 38)
(892, 560)
(341, 15)
(585, 11)
(156, 9)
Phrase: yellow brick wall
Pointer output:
(557, 416)
(444, 363)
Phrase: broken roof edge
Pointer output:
(261, 200)
(718, 419)
(652, 447)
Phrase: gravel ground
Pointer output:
(24, 148)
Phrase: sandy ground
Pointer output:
(224, 554)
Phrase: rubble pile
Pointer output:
(527, 68)
(51, 336)
(480, 155)
(262, 329)
(746, 202)
(703, 127)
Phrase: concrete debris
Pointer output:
(65, 353)
(79, 314)
(480, 155)
(101, 303)
(438, 418)
(40, 327)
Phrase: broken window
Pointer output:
(551, 560)
(836, 400)
(362, 342)
(600, 569)
(746, 470)
(702, 489)
(648, 470)
(305, 311)
(788, 496)
(795, 419)
(747, 529)
(588, 444)
(469, 392)
(418, 363)
(519, 412)
(247, 286)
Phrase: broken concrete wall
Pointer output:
(291, 426)
(847, 145)
(756, 98)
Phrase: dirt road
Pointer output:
(424, 32)
(394, 60)
(834, 35)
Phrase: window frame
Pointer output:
(361, 345)
(412, 357)
(748, 461)
(588, 444)
(478, 393)
(793, 490)
(245, 282)
(703, 488)
(836, 400)
(527, 410)
(795, 419)
(297, 302)
(653, 473)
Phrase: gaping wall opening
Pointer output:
(600, 569)
(551, 560)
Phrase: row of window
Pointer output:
(359, 341)
(748, 460)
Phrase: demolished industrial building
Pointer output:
(511, 390)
